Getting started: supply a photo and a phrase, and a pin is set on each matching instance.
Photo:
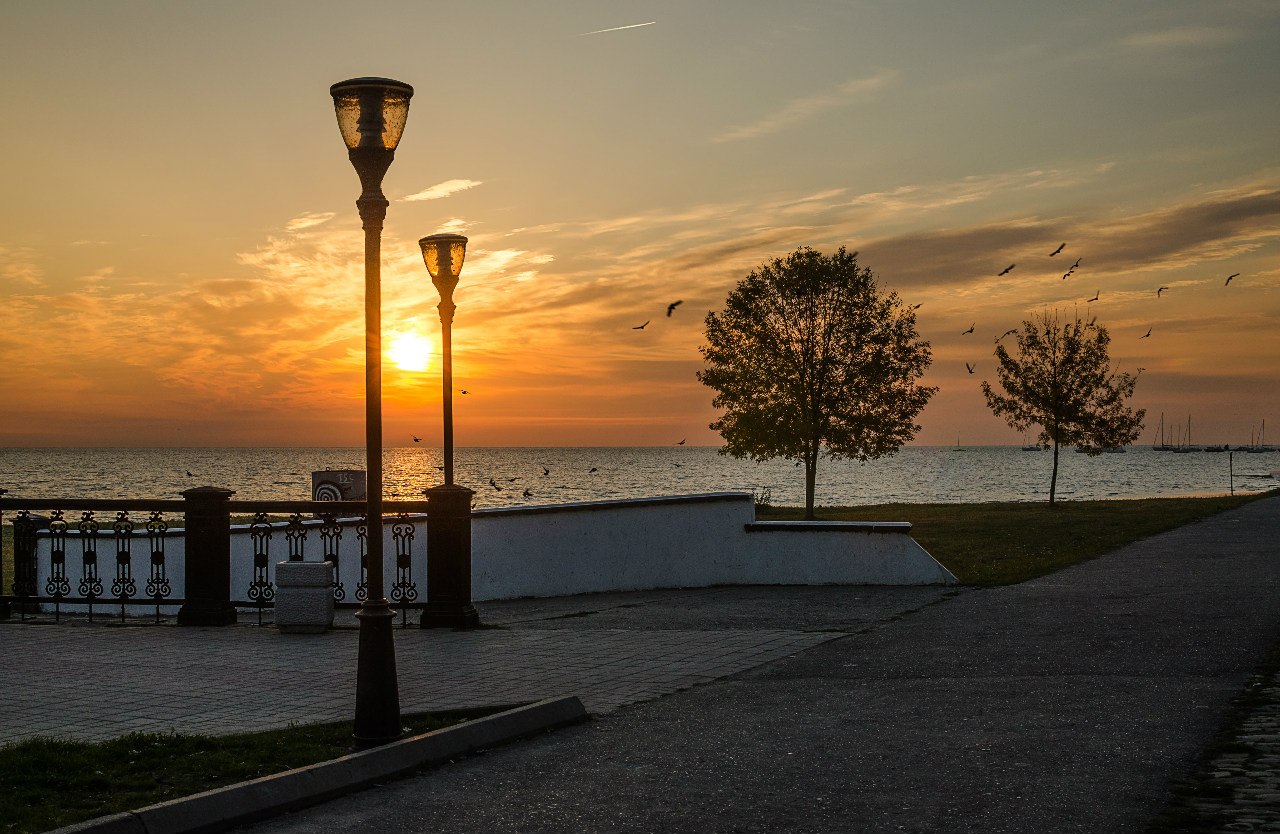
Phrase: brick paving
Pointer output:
(96, 682)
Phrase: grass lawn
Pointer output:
(47, 784)
(1005, 543)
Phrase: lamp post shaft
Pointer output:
(446, 345)
(377, 719)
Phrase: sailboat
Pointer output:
(1261, 445)
(1186, 445)
(1162, 446)
(1028, 446)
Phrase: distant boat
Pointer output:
(1186, 445)
(1261, 445)
(958, 447)
(1031, 447)
(1162, 446)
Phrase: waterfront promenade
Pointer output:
(1069, 703)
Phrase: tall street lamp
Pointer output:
(449, 505)
(371, 115)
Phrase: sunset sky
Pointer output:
(180, 254)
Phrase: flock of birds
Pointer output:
(1160, 291)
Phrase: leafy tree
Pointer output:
(1062, 381)
(810, 357)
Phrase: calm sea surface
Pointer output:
(916, 474)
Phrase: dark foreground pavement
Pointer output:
(1066, 704)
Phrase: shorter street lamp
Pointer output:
(448, 505)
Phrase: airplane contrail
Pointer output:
(618, 28)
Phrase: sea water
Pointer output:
(503, 477)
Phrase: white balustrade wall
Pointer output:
(670, 542)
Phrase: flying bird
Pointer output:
(1229, 277)
(1160, 291)
(463, 391)
(1008, 332)
(546, 471)
(970, 330)
(641, 326)
(916, 306)
(1067, 274)
(1095, 295)
(416, 439)
(494, 484)
(682, 440)
(1076, 265)
(592, 469)
(671, 308)
(1006, 270)
(528, 493)
(1147, 335)
(1061, 246)
(189, 474)
(968, 367)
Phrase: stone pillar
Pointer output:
(449, 559)
(208, 558)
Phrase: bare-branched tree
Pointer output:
(809, 357)
(1062, 381)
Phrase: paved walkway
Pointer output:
(1071, 703)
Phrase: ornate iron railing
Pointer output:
(97, 554)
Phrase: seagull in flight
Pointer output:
(916, 306)
(545, 471)
(1006, 270)
(1076, 265)
(1147, 335)
(682, 440)
(1061, 246)
(1160, 291)
(671, 308)
(416, 439)
(641, 327)
(463, 391)
(1229, 277)
(1067, 274)
(592, 469)
(970, 330)
(968, 367)
(1095, 295)
(1008, 332)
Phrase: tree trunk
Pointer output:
(1053, 482)
(810, 479)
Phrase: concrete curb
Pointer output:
(235, 805)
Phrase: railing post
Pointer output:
(4, 603)
(208, 558)
(449, 559)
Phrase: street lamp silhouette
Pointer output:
(449, 505)
(371, 115)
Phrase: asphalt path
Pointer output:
(1066, 704)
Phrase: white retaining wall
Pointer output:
(672, 542)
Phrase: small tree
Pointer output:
(808, 356)
(1061, 380)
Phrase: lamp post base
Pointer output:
(377, 690)
(449, 559)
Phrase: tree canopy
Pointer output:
(1062, 381)
(809, 356)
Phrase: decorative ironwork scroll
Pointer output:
(330, 539)
(123, 586)
(90, 582)
(362, 533)
(58, 585)
(158, 580)
(295, 537)
(404, 589)
(261, 591)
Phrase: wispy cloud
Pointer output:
(309, 220)
(801, 109)
(1184, 37)
(17, 266)
(617, 28)
(441, 190)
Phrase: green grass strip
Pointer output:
(1006, 543)
(47, 783)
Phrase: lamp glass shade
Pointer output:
(371, 111)
(443, 254)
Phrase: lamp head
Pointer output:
(371, 112)
(443, 255)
